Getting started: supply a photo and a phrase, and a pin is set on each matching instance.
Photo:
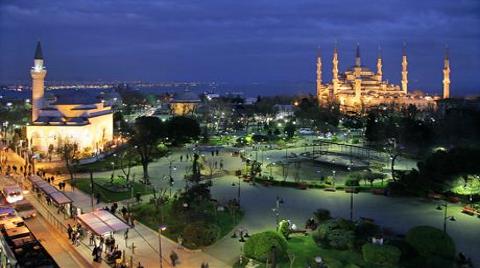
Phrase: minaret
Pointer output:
(446, 75)
(319, 76)
(38, 74)
(358, 61)
(404, 70)
(358, 69)
(335, 81)
(379, 65)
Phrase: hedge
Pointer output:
(384, 255)
(429, 241)
(259, 246)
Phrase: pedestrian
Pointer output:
(95, 253)
(187, 157)
(181, 158)
(180, 241)
(173, 258)
(92, 240)
(213, 153)
(139, 265)
(125, 235)
(221, 164)
(69, 231)
(97, 195)
(124, 212)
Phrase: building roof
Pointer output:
(38, 52)
(185, 96)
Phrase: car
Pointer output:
(12, 193)
(306, 131)
(25, 209)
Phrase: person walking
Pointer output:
(173, 258)
(69, 231)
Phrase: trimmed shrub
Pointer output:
(352, 182)
(429, 241)
(322, 215)
(384, 255)
(199, 234)
(284, 228)
(335, 233)
(259, 246)
(366, 230)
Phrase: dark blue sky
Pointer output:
(239, 41)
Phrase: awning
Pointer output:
(60, 198)
(102, 222)
(51, 191)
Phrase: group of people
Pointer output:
(75, 233)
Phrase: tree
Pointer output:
(290, 129)
(68, 151)
(147, 131)
(182, 128)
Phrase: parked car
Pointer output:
(25, 209)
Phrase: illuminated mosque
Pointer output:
(78, 118)
(358, 88)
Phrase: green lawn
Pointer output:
(109, 196)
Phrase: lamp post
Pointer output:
(445, 216)
(276, 209)
(333, 173)
(113, 166)
(160, 229)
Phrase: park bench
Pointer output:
(370, 220)
(435, 196)
(469, 210)
(302, 186)
(330, 189)
(453, 199)
(304, 232)
(378, 191)
(351, 190)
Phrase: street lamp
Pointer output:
(445, 216)
(333, 173)
(276, 209)
(160, 229)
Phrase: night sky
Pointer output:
(267, 41)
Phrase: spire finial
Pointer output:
(38, 52)
(379, 55)
(404, 49)
(447, 52)
(319, 54)
(358, 50)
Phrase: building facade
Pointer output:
(359, 88)
(76, 117)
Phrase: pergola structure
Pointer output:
(102, 222)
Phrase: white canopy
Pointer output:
(102, 222)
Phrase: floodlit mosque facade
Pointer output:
(74, 118)
(358, 88)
